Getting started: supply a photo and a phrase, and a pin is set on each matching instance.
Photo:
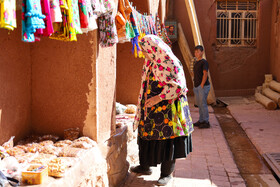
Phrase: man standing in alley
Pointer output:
(201, 87)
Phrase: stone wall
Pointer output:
(15, 84)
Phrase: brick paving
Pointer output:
(261, 126)
(210, 164)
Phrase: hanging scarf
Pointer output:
(165, 37)
(83, 13)
(32, 19)
(91, 17)
(108, 31)
(8, 14)
(158, 26)
(56, 15)
(76, 17)
(48, 21)
(26, 36)
(65, 31)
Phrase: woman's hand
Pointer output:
(152, 101)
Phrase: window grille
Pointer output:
(237, 23)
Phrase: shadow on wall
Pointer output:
(15, 85)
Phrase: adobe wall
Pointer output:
(275, 41)
(61, 77)
(15, 85)
(234, 71)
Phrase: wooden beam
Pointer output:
(185, 49)
(198, 41)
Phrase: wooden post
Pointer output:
(269, 104)
(198, 41)
(185, 49)
(272, 95)
(275, 86)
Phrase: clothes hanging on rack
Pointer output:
(56, 14)
(8, 14)
(48, 21)
(76, 17)
(108, 32)
(83, 13)
(65, 31)
(32, 19)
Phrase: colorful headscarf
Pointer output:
(166, 67)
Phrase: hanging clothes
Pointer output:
(135, 45)
(26, 36)
(8, 14)
(158, 27)
(106, 6)
(76, 17)
(32, 19)
(91, 17)
(83, 13)
(48, 21)
(165, 37)
(108, 31)
(56, 15)
(65, 31)
(122, 19)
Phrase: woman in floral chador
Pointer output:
(163, 117)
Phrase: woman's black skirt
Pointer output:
(153, 152)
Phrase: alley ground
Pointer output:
(212, 163)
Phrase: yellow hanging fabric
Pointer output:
(65, 31)
(8, 14)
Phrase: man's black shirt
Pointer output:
(198, 68)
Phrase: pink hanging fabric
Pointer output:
(45, 4)
(48, 21)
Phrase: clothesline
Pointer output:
(64, 19)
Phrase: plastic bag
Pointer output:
(63, 143)
(82, 145)
(50, 149)
(46, 143)
(9, 143)
(7, 181)
(71, 152)
(43, 159)
(131, 109)
(71, 134)
(86, 140)
(57, 167)
(25, 158)
(34, 147)
(51, 137)
(120, 108)
(15, 151)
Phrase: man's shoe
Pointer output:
(204, 125)
(162, 181)
(196, 124)
(140, 170)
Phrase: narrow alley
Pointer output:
(212, 162)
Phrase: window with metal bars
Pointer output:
(237, 23)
